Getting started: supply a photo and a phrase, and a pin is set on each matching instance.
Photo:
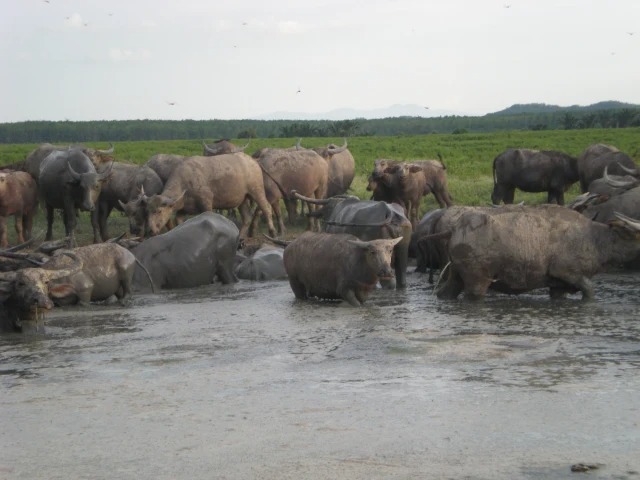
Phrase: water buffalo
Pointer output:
(263, 264)
(124, 184)
(164, 164)
(342, 168)
(24, 292)
(387, 187)
(595, 158)
(285, 170)
(201, 184)
(220, 147)
(533, 171)
(428, 252)
(335, 266)
(194, 253)
(68, 181)
(369, 220)
(18, 197)
(34, 160)
(516, 249)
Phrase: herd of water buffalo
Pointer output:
(351, 245)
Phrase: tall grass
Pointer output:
(468, 157)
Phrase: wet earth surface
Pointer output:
(244, 382)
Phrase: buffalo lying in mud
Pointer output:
(533, 171)
(337, 266)
(264, 264)
(369, 220)
(516, 249)
(192, 254)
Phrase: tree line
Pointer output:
(150, 130)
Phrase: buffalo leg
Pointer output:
(298, 288)
(509, 195)
(103, 214)
(245, 215)
(19, 228)
(350, 296)
(49, 235)
(4, 241)
(264, 206)
(27, 225)
(452, 287)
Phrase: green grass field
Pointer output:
(468, 158)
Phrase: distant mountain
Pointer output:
(521, 108)
(398, 110)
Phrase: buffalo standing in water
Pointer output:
(337, 266)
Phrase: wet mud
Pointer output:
(243, 381)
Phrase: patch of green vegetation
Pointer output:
(468, 158)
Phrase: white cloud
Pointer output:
(146, 23)
(75, 21)
(127, 55)
(291, 27)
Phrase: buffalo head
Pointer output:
(90, 184)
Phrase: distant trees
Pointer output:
(66, 132)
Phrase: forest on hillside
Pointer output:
(513, 118)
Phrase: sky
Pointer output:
(235, 59)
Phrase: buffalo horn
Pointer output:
(631, 222)
(315, 201)
(616, 183)
(109, 151)
(212, 151)
(334, 150)
(630, 171)
(75, 175)
(240, 149)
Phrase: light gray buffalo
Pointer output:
(264, 264)
(342, 168)
(68, 181)
(194, 253)
(516, 249)
(123, 186)
(337, 266)
(285, 170)
(201, 184)
(369, 220)
(533, 171)
(92, 273)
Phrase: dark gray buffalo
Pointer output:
(125, 184)
(68, 181)
(369, 220)
(595, 158)
(516, 249)
(337, 266)
(35, 158)
(192, 254)
(533, 171)
(264, 264)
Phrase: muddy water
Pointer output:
(244, 382)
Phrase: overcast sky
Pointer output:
(231, 59)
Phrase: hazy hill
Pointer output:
(520, 108)
(393, 111)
